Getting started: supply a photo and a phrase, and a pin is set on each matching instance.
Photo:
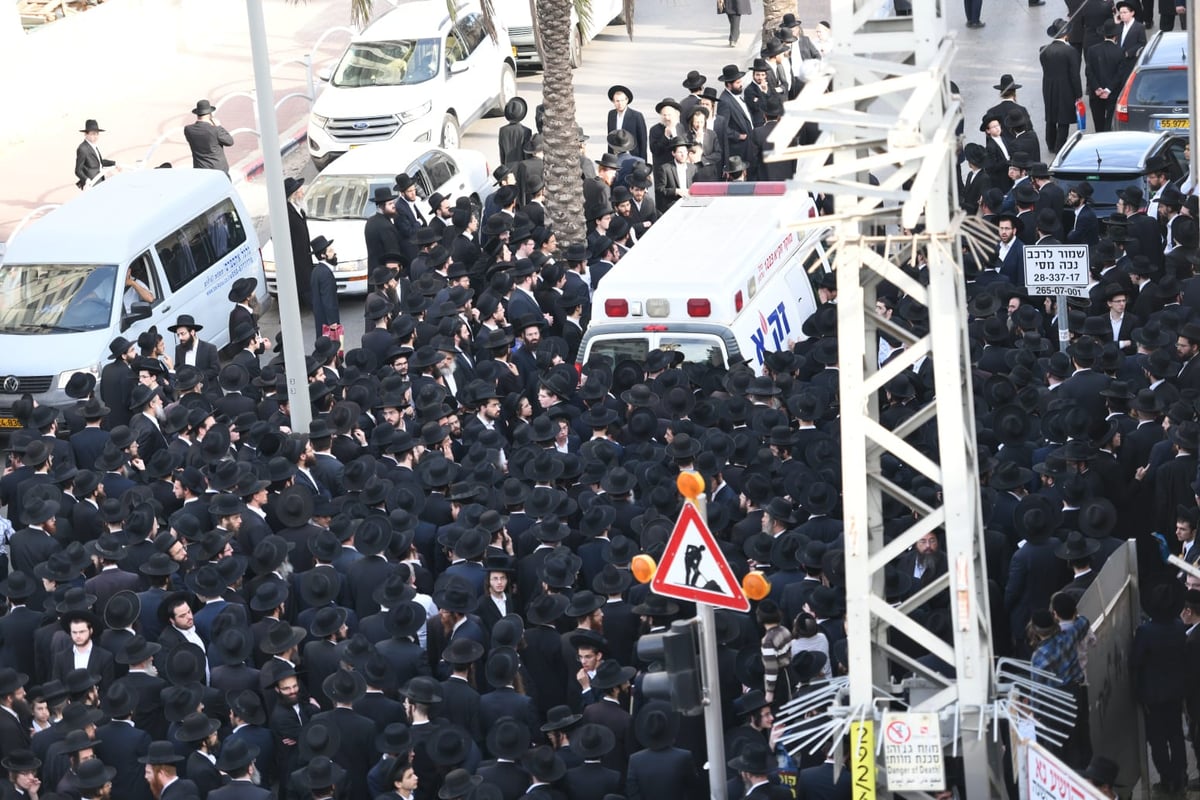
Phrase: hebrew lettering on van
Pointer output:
(779, 326)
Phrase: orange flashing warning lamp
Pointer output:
(690, 485)
(755, 585)
(643, 568)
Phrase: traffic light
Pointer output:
(674, 659)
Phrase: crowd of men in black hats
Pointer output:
(428, 593)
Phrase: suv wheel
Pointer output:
(576, 56)
(508, 90)
(451, 138)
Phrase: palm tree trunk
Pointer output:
(564, 184)
(773, 11)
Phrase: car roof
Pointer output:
(378, 158)
(1116, 151)
(416, 19)
(1167, 49)
(117, 218)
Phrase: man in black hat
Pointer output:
(1060, 84)
(1132, 34)
(733, 109)
(88, 162)
(622, 117)
(13, 733)
(513, 136)
(381, 234)
(1007, 87)
(323, 287)
(207, 139)
(675, 176)
(1103, 67)
(754, 764)
(293, 190)
(237, 761)
(191, 350)
(162, 773)
(22, 781)
(356, 733)
(116, 382)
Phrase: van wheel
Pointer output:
(576, 53)
(450, 134)
(508, 90)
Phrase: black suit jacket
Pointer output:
(737, 123)
(239, 790)
(667, 774)
(207, 358)
(88, 163)
(357, 751)
(100, 662)
(208, 143)
(635, 123)
(116, 387)
(591, 781)
(121, 745)
(508, 777)
(667, 186)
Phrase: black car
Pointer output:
(1113, 160)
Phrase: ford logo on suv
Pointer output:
(360, 126)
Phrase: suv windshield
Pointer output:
(397, 63)
(56, 298)
(344, 196)
(1160, 87)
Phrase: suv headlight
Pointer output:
(65, 376)
(416, 112)
(317, 120)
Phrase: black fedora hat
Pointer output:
(196, 727)
(136, 650)
(508, 738)
(393, 739)
(282, 637)
(1076, 547)
(611, 674)
(344, 686)
(21, 760)
(730, 73)
(1036, 517)
(405, 619)
(122, 609)
(160, 752)
(319, 739)
(247, 705)
(320, 586)
(449, 745)
(320, 773)
(236, 754)
(458, 783)
(327, 621)
(611, 580)
(18, 586)
(92, 774)
(11, 680)
(546, 609)
(502, 666)
(544, 764)
(422, 689)
(656, 726)
(754, 758)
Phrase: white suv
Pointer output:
(413, 75)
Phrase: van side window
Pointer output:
(455, 51)
(141, 283)
(200, 243)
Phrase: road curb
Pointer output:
(250, 168)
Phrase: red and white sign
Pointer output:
(693, 568)
(1050, 779)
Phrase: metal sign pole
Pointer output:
(1064, 322)
(714, 729)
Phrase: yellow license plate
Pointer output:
(10, 422)
(1174, 123)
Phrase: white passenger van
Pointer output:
(719, 276)
(184, 234)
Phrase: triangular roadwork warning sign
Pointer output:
(693, 567)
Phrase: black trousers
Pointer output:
(735, 27)
(1056, 137)
(1164, 734)
(1102, 112)
(973, 8)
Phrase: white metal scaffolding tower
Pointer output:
(884, 106)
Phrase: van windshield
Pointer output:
(344, 196)
(56, 298)
(395, 63)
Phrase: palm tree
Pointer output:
(773, 11)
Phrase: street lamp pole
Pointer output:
(285, 271)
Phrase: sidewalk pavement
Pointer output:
(138, 67)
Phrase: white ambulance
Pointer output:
(719, 276)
